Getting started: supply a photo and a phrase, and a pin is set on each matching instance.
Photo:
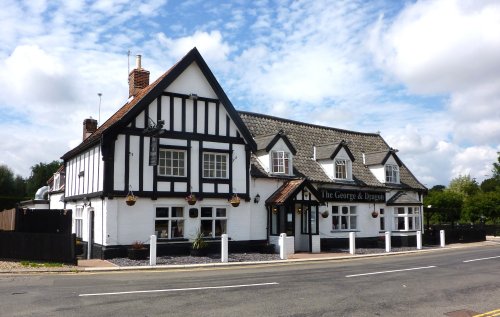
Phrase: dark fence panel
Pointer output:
(53, 247)
(43, 221)
(492, 230)
(455, 234)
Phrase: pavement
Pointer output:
(97, 265)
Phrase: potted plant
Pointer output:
(137, 251)
(191, 199)
(234, 200)
(374, 214)
(325, 214)
(199, 245)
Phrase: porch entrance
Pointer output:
(293, 209)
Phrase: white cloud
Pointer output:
(448, 47)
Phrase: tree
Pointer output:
(496, 168)
(464, 185)
(437, 188)
(483, 206)
(6, 180)
(446, 206)
(40, 174)
(490, 185)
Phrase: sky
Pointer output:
(424, 74)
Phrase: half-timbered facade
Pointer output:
(170, 161)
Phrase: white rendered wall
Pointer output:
(193, 81)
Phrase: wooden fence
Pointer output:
(7, 220)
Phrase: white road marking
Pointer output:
(392, 271)
(474, 260)
(180, 289)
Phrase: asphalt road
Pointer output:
(426, 284)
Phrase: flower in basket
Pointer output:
(191, 199)
(234, 200)
(130, 200)
(374, 214)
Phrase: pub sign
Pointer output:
(332, 194)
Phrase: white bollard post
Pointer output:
(282, 243)
(152, 250)
(419, 240)
(387, 241)
(441, 238)
(352, 242)
(224, 247)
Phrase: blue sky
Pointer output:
(425, 74)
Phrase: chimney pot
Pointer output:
(138, 79)
(89, 127)
(138, 62)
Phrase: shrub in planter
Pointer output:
(137, 251)
(199, 245)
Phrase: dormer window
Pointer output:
(391, 173)
(341, 169)
(280, 162)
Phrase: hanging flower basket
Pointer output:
(325, 214)
(374, 214)
(191, 199)
(234, 200)
(130, 199)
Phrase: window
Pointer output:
(79, 222)
(344, 218)
(406, 218)
(341, 169)
(213, 221)
(280, 162)
(382, 220)
(172, 163)
(215, 165)
(169, 222)
(392, 174)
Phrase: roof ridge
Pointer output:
(304, 123)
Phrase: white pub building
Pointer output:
(178, 159)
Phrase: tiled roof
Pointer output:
(263, 141)
(304, 136)
(281, 195)
(375, 158)
(403, 198)
(95, 137)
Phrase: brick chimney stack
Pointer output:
(137, 79)
(89, 127)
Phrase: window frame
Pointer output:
(346, 165)
(78, 221)
(224, 173)
(172, 167)
(392, 173)
(214, 218)
(410, 218)
(169, 218)
(284, 162)
(352, 213)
